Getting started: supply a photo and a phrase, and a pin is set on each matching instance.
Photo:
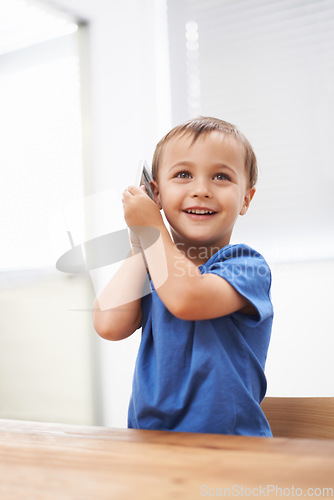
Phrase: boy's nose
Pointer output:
(200, 188)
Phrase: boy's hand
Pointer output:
(140, 210)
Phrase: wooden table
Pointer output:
(53, 461)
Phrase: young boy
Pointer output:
(207, 322)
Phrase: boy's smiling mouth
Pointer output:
(199, 212)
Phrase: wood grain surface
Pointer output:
(55, 461)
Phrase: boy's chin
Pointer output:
(196, 239)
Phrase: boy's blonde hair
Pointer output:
(204, 125)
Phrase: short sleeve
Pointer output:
(248, 272)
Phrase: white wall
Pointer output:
(47, 370)
(300, 355)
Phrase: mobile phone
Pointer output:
(144, 177)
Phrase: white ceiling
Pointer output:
(27, 22)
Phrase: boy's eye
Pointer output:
(183, 174)
(222, 177)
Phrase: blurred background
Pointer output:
(87, 88)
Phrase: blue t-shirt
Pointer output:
(208, 375)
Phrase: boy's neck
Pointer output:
(198, 254)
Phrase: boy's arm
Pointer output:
(186, 292)
(117, 309)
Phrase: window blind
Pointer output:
(268, 67)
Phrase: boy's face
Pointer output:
(202, 188)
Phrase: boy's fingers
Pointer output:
(132, 191)
(136, 190)
(125, 195)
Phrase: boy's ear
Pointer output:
(248, 198)
(155, 189)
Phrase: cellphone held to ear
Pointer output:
(144, 177)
